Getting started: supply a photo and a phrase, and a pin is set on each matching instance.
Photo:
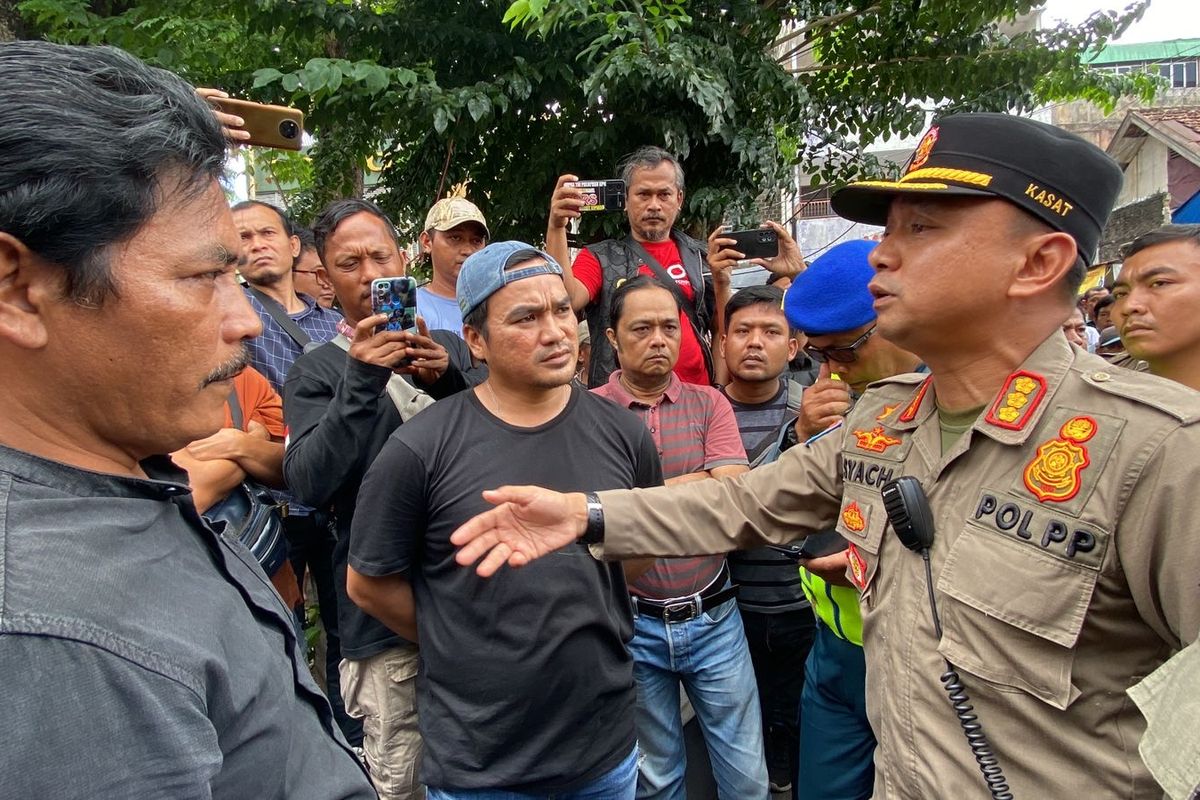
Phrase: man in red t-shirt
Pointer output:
(654, 197)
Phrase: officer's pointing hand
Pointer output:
(823, 404)
(527, 523)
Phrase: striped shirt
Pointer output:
(694, 430)
(769, 580)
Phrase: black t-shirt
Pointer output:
(339, 416)
(525, 680)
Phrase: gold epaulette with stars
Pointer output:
(1014, 406)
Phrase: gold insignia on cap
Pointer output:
(1055, 202)
(921, 155)
(947, 174)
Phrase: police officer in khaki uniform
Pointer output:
(1062, 490)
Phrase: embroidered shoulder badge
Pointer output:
(875, 440)
(853, 517)
(921, 155)
(886, 412)
(1053, 474)
(1021, 396)
(910, 413)
(858, 567)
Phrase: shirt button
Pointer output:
(653, 429)
(1101, 376)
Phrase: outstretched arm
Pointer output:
(528, 522)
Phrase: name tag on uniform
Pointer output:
(1038, 526)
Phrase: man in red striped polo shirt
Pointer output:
(686, 624)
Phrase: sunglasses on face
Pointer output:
(842, 355)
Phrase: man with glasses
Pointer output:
(308, 274)
(831, 304)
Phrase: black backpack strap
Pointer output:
(235, 409)
(280, 315)
(689, 307)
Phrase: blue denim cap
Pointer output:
(486, 271)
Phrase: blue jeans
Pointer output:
(710, 657)
(618, 783)
(837, 746)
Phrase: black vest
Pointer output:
(618, 260)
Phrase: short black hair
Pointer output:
(1167, 234)
(1101, 304)
(477, 319)
(307, 240)
(289, 227)
(754, 296)
(338, 212)
(92, 143)
(628, 287)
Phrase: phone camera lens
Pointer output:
(288, 129)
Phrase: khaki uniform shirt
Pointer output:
(1065, 562)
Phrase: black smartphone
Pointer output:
(755, 243)
(280, 127)
(605, 195)
(396, 297)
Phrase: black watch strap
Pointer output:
(594, 533)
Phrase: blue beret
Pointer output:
(831, 295)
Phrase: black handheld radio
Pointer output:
(908, 510)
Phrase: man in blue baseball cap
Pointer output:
(527, 683)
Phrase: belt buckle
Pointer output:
(680, 612)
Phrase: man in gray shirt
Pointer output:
(143, 655)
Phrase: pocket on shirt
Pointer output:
(861, 522)
(1011, 614)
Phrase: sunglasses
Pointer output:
(842, 355)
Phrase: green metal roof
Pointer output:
(1150, 51)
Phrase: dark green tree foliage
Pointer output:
(507, 95)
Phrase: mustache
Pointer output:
(230, 369)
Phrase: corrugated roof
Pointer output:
(1150, 51)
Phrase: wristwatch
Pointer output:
(594, 533)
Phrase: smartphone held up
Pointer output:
(280, 127)
(602, 195)
(396, 297)
(755, 243)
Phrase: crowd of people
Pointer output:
(588, 498)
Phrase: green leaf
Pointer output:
(264, 76)
(441, 120)
(478, 106)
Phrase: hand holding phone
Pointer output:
(267, 126)
(754, 243)
(601, 195)
(397, 298)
